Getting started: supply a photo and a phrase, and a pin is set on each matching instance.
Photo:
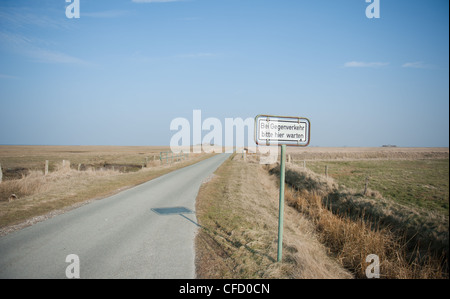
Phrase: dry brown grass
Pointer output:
(335, 222)
(28, 158)
(422, 227)
(238, 214)
(34, 182)
(352, 229)
(65, 188)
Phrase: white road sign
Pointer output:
(278, 130)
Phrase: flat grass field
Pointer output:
(88, 173)
(417, 176)
(16, 160)
(424, 183)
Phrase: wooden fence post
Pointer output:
(1, 173)
(326, 171)
(46, 167)
(366, 185)
(66, 164)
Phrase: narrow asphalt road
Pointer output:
(144, 232)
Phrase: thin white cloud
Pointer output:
(365, 64)
(37, 50)
(189, 19)
(105, 14)
(48, 56)
(3, 76)
(197, 55)
(139, 57)
(155, 1)
(417, 65)
(26, 18)
(13, 40)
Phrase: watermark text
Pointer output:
(373, 10)
(73, 9)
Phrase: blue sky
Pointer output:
(124, 70)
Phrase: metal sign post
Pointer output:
(282, 130)
(281, 204)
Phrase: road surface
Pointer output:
(144, 232)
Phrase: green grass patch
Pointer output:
(424, 183)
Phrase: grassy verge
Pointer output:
(325, 223)
(409, 241)
(238, 213)
(65, 188)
